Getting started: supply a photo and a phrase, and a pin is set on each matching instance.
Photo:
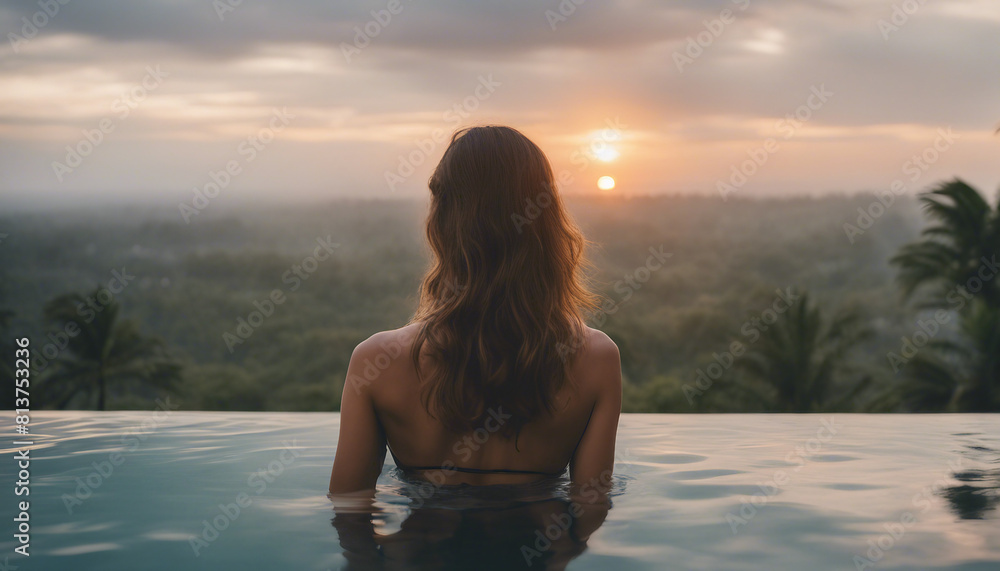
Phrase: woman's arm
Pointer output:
(361, 445)
(594, 460)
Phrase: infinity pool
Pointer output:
(150, 491)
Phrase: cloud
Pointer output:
(494, 28)
(604, 59)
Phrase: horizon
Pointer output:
(235, 205)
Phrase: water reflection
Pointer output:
(455, 531)
(979, 492)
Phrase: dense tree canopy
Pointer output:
(257, 317)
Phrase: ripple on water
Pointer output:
(852, 487)
(711, 491)
(677, 458)
(76, 527)
(703, 474)
(86, 548)
(169, 536)
(832, 458)
(682, 476)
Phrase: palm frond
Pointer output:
(107, 356)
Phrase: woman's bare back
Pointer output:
(579, 433)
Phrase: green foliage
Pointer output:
(195, 282)
(954, 266)
(964, 232)
(659, 394)
(102, 356)
(8, 347)
(221, 386)
(800, 364)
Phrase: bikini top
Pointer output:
(406, 468)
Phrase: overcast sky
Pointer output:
(171, 90)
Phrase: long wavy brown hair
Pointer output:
(503, 304)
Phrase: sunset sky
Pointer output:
(170, 91)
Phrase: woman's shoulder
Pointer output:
(597, 356)
(596, 346)
(598, 363)
(391, 343)
(382, 360)
(599, 345)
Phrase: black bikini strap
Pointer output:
(406, 468)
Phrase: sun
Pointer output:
(603, 145)
(607, 153)
(605, 183)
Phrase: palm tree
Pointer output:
(955, 256)
(952, 250)
(6, 369)
(7, 348)
(800, 360)
(107, 354)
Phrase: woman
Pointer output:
(496, 380)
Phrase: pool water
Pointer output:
(192, 490)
